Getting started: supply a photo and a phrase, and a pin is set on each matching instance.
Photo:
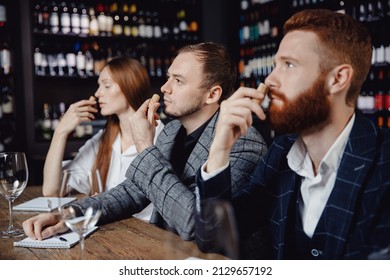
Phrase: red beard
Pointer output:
(309, 109)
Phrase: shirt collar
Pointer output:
(198, 132)
(116, 147)
(299, 161)
(195, 135)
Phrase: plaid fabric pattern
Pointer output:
(150, 177)
(356, 218)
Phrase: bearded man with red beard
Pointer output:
(323, 189)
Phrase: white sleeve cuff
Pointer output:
(206, 176)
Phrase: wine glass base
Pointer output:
(11, 233)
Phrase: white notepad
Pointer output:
(43, 204)
(63, 241)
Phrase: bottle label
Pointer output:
(157, 32)
(80, 60)
(71, 59)
(149, 31)
(94, 27)
(380, 121)
(61, 60)
(54, 22)
(387, 101)
(84, 23)
(37, 58)
(127, 30)
(65, 23)
(46, 124)
(109, 24)
(142, 31)
(379, 101)
(5, 60)
(134, 31)
(3, 15)
(75, 22)
(102, 22)
(117, 30)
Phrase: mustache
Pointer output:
(272, 93)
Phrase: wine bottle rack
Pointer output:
(259, 34)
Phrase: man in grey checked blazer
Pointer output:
(199, 78)
(323, 191)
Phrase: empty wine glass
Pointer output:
(383, 254)
(80, 181)
(220, 229)
(227, 235)
(13, 180)
(83, 222)
(80, 224)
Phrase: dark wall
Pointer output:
(219, 22)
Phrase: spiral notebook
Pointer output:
(63, 241)
(43, 204)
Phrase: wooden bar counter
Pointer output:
(126, 239)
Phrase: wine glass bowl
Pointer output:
(227, 234)
(79, 222)
(80, 181)
(220, 230)
(13, 180)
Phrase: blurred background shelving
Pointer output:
(51, 53)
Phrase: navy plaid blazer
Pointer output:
(356, 218)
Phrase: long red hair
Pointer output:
(134, 82)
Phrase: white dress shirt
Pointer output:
(119, 164)
(315, 190)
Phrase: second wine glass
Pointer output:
(78, 222)
(13, 180)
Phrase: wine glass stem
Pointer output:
(11, 222)
(81, 247)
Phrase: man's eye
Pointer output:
(289, 65)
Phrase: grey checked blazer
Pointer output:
(150, 177)
(356, 218)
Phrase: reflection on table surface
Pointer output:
(126, 239)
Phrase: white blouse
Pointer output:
(119, 163)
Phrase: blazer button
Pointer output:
(315, 252)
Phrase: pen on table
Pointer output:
(62, 238)
(49, 204)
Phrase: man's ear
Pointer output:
(214, 95)
(339, 78)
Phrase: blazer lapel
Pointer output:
(355, 163)
(285, 208)
(166, 138)
(201, 150)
